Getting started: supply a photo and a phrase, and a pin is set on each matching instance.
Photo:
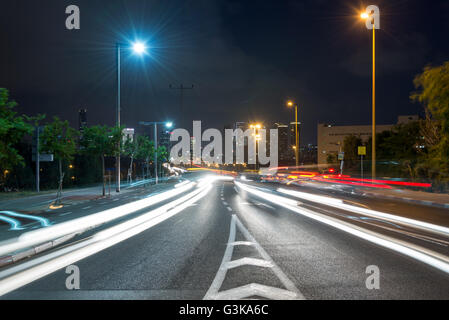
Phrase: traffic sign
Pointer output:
(341, 156)
(362, 151)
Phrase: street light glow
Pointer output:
(290, 103)
(169, 124)
(364, 15)
(139, 47)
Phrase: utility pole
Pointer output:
(181, 88)
(37, 161)
(117, 161)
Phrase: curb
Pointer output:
(7, 260)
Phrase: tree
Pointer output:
(101, 141)
(12, 129)
(145, 151)
(130, 149)
(350, 147)
(59, 139)
(433, 93)
(162, 156)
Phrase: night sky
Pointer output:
(245, 59)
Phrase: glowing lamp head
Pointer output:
(139, 47)
(169, 124)
(290, 103)
(364, 15)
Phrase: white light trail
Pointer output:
(28, 272)
(39, 236)
(424, 255)
(338, 203)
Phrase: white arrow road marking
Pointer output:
(259, 290)
(249, 261)
(292, 293)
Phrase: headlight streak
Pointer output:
(39, 236)
(337, 203)
(44, 222)
(424, 255)
(33, 270)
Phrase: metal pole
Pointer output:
(37, 161)
(118, 116)
(361, 166)
(373, 153)
(155, 153)
(297, 137)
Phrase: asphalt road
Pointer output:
(234, 244)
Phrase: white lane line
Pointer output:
(229, 209)
(86, 208)
(241, 243)
(65, 214)
(222, 199)
(429, 257)
(225, 203)
(247, 291)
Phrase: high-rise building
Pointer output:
(285, 151)
(82, 119)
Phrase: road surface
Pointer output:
(236, 241)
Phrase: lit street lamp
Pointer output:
(167, 125)
(138, 48)
(372, 18)
(257, 138)
(291, 104)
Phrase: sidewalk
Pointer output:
(42, 202)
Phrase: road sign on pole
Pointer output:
(362, 151)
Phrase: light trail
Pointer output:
(418, 253)
(15, 225)
(338, 203)
(44, 222)
(28, 272)
(39, 236)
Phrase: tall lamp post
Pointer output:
(138, 48)
(257, 138)
(291, 104)
(168, 125)
(372, 18)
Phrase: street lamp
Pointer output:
(292, 104)
(138, 48)
(257, 138)
(372, 18)
(168, 125)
